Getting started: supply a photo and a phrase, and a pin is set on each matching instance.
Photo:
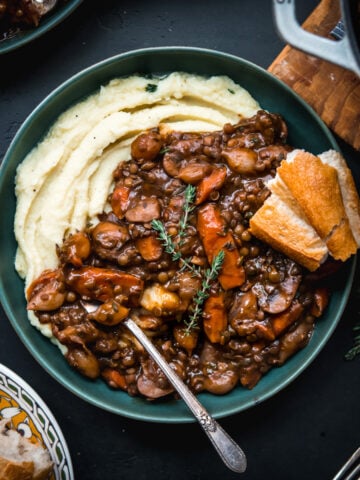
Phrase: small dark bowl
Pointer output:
(49, 21)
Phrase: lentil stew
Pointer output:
(180, 201)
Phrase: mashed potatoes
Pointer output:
(64, 181)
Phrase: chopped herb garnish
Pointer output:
(231, 91)
(151, 87)
(166, 239)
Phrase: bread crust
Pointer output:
(310, 182)
(313, 209)
(316, 188)
(43, 474)
(20, 459)
(348, 189)
(10, 470)
(278, 225)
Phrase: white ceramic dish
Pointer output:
(28, 413)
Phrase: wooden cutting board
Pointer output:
(332, 91)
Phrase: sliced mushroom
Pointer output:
(75, 249)
(294, 340)
(280, 296)
(47, 292)
(188, 285)
(241, 160)
(194, 172)
(146, 146)
(221, 380)
(152, 383)
(144, 210)
(170, 164)
(243, 314)
(84, 361)
(108, 238)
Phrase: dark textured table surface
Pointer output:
(304, 432)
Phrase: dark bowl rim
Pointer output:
(47, 23)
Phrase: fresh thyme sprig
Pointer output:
(166, 239)
(355, 349)
(170, 246)
(188, 207)
(210, 275)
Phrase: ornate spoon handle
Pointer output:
(231, 454)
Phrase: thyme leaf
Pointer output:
(210, 275)
(355, 349)
(170, 246)
(188, 207)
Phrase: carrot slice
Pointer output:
(215, 317)
(282, 321)
(185, 339)
(114, 378)
(100, 283)
(208, 184)
(149, 247)
(120, 200)
(211, 228)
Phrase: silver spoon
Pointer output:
(230, 452)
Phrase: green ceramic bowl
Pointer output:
(306, 131)
(47, 23)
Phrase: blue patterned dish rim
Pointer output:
(26, 411)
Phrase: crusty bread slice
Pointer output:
(316, 188)
(348, 189)
(313, 208)
(21, 459)
(281, 223)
